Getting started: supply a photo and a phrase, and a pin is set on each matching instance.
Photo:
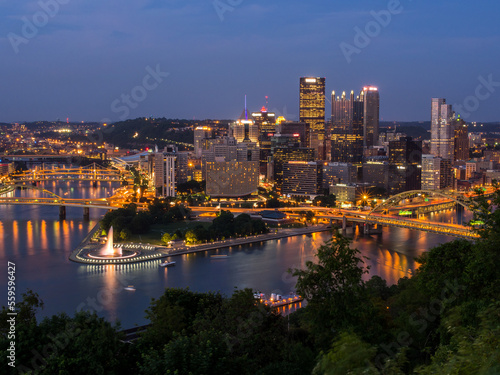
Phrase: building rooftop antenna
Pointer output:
(246, 112)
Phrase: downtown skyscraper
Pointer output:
(442, 129)
(312, 112)
(371, 101)
(347, 128)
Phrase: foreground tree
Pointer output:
(334, 290)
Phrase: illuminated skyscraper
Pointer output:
(302, 178)
(442, 129)
(266, 124)
(347, 129)
(405, 169)
(244, 129)
(461, 148)
(371, 101)
(201, 133)
(312, 111)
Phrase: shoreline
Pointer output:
(163, 251)
(284, 233)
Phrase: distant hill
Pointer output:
(142, 132)
(416, 129)
(421, 129)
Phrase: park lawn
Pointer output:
(156, 231)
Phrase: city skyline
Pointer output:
(175, 60)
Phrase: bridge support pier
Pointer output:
(62, 212)
(369, 229)
(366, 229)
(344, 223)
(86, 213)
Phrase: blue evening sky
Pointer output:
(77, 61)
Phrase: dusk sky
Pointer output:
(82, 57)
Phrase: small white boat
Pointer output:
(130, 287)
(167, 264)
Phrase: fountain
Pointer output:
(108, 251)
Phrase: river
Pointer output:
(39, 244)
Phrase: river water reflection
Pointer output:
(39, 244)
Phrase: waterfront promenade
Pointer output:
(156, 252)
(282, 233)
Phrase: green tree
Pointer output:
(348, 355)
(334, 289)
(141, 222)
(190, 237)
(166, 238)
(203, 353)
(325, 200)
(471, 350)
(174, 312)
(125, 234)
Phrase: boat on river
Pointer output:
(277, 300)
(167, 264)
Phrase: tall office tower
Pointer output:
(461, 140)
(405, 165)
(284, 149)
(164, 169)
(442, 129)
(347, 129)
(201, 133)
(376, 173)
(266, 125)
(245, 131)
(338, 173)
(431, 166)
(302, 178)
(312, 111)
(371, 101)
(296, 129)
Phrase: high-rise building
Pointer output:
(338, 173)
(302, 178)
(312, 111)
(446, 174)
(371, 100)
(461, 148)
(244, 129)
(405, 165)
(347, 129)
(431, 166)
(232, 179)
(281, 155)
(164, 169)
(266, 125)
(201, 133)
(376, 173)
(442, 129)
(297, 129)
